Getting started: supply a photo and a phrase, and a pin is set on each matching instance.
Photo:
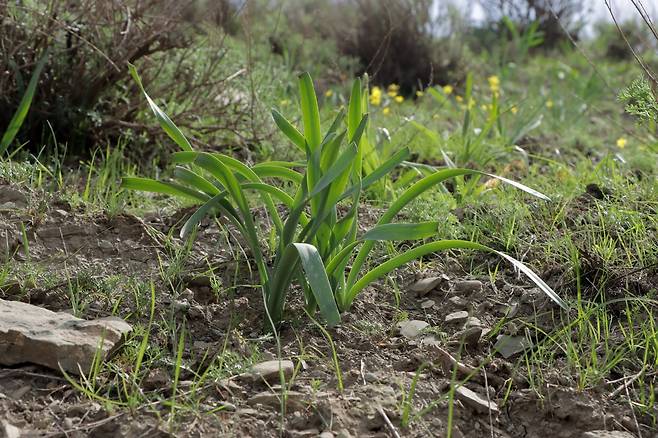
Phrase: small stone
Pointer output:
(508, 346)
(31, 334)
(427, 304)
(425, 286)
(326, 434)
(458, 302)
(607, 434)
(475, 401)
(467, 287)
(9, 430)
(456, 317)
(344, 433)
(473, 322)
(294, 400)
(371, 377)
(410, 329)
(470, 336)
(187, 294)
(269, 370)
(10, 195)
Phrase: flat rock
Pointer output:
(458, 302)
(425, 286)
(294, 400)
(269, 370)
(470, 336)
(467, 287)
(508, 346)
(11, 196)
(31, 334)
(427, 304)
(475, 400)
(456, 317)
(8, 430)
(607, 434)
(411, 329)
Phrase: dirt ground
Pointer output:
(377, 362)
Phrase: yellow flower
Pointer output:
(549, 103)
(386, 111)
(284, 102)
(484, 107)
(459, 99)
(328, 93)
(621, 142)
(514, 110)
(393, 90)
(471, 103)
(419, 93)
(399, 99)
(494, 84)
(376, 96)
(447, 89)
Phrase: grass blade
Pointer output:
(390, 232)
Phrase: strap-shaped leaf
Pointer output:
(355, 111)
(443, 245)
(343, 163)
(195, 180)
(316, 276)
(400, 231)
(380, 172)
(288, 129)
(274, 171)
(201, 212)
(310, 111)
(23, 107)
(165, 122)
(154, 186)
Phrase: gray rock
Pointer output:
(411, 329)
(8, 430)
(467, 287)
(427, 304)
(607, 434)
(473, 322)
(425, 286)
(475, 401)
(508, 346)
(294, 400)
(470, 336)
(269, 370)
(32, 334)
(458, 302)
(456, 317)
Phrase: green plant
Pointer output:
(23, 107)
(317, 240)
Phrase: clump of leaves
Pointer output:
(316, 240)
(641, 100)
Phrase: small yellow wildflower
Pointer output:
(376, 96)
(484, 107)
(471, 103)
(514, 109)
(284, 102)
(549, 103)
(386, 111)
(399, 99)
(459, 99)
(419, 93)
(329, 93)
(393, 90)
(494, 84)
(621, 142)
(447, 89)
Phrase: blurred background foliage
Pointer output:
(218, 65)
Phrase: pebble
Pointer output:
(456, 317)
(607, 434)
(269, 370)
(427, 304)
(412, 328)
(425, 286)
(468, 287)
(475, 401)
(458, 302)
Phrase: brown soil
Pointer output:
(377, 363)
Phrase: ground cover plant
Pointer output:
(378, 259)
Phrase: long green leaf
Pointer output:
(165, 122)
(310, 111)
(288, 129)
(201, 212)
(23, 107)
(316, 276)
(151, 185)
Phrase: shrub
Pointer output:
(84, 92)
(316, 240)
